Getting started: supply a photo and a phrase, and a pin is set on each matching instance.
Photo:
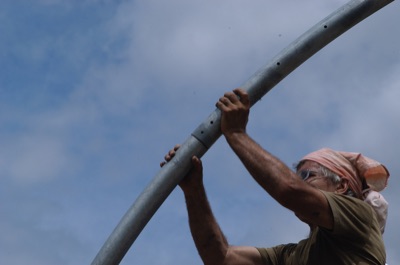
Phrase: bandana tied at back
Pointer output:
(357, 169)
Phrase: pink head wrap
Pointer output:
(356, 168)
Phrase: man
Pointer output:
(326, 192)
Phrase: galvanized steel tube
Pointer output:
(205, 135)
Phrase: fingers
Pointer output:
(229, 98)
(243, 96)
(235, 97)
(225, 102)
(197, 164)
(170, 155)
(176, 147)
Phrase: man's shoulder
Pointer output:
(341, 199)
(346, 208)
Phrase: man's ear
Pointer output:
(343, 186)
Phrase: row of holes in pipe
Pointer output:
(278, 63)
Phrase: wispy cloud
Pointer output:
(95, 92)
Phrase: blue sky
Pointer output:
(94, 93)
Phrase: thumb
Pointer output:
(197, 164)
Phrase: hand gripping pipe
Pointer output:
(207, 133)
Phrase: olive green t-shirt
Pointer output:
(354, 239)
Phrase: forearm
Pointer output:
(207, 235)
(270, 173)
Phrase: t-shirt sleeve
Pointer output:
(352, 217)
(275, 255)
(268, 256)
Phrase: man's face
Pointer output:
(313, 176)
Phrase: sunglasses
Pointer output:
(305, 174)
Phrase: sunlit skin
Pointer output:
(304, 198)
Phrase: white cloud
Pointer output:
(141, 75)
(33, 158)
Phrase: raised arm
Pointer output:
(270, 173)
(210, 242)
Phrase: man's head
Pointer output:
(322, 178)
(347, 173)
(358, 171)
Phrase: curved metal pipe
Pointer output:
(205, 135)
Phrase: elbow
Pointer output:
(215, 256)
(289, 194)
